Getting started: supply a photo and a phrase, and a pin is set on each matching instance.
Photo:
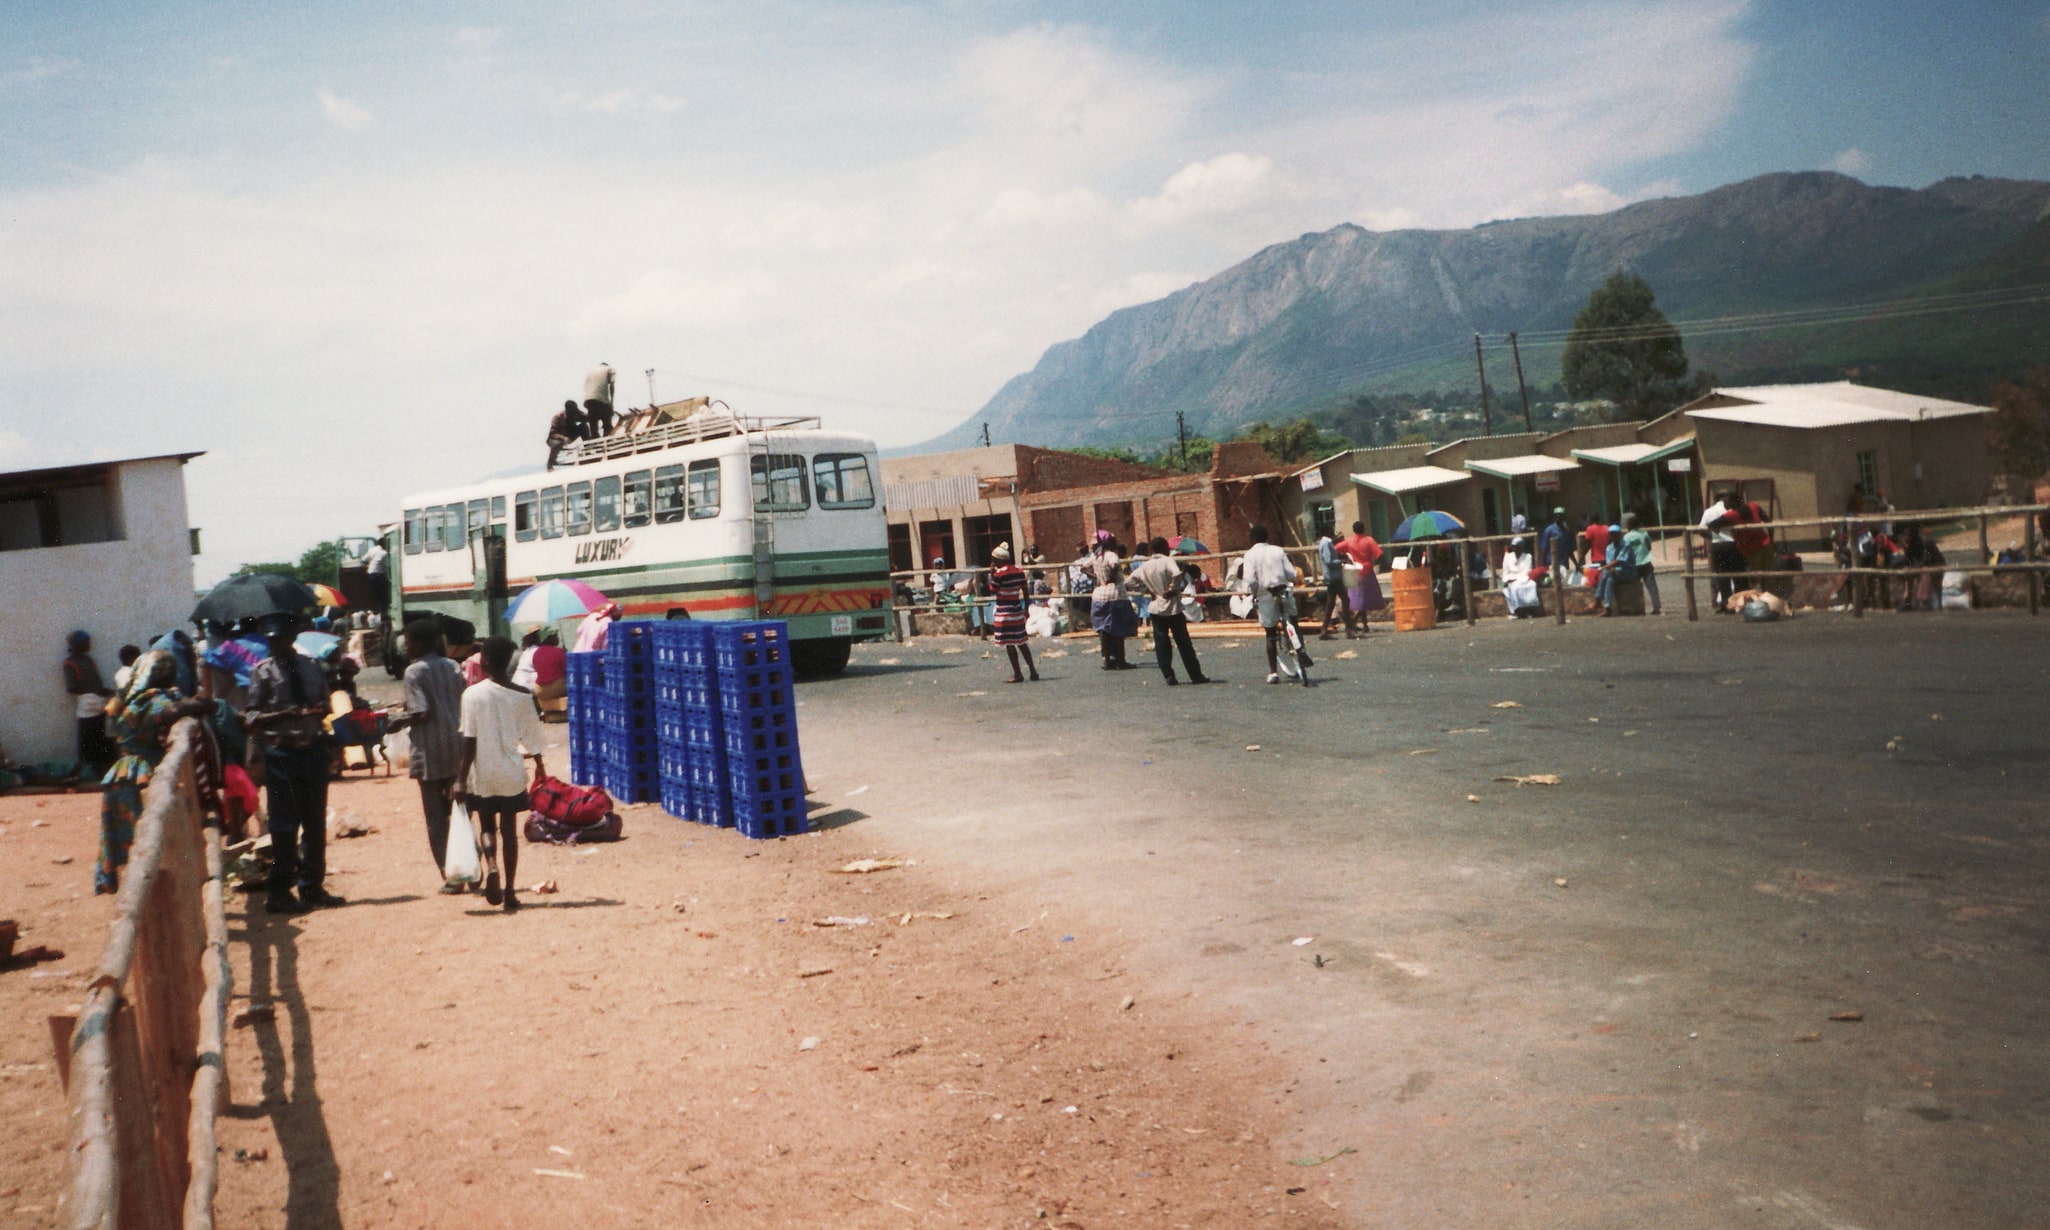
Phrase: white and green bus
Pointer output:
(706, 516)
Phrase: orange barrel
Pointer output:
(1415, 610)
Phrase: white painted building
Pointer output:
(103, 547)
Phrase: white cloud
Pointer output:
(475, 38)
(626, 101)
(1026, 207)
(1224, 183)
(41, 68)
(664, 299)
(1852, 161)
(344, 113)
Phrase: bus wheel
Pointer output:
(822, 658)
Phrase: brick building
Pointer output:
(958, 506)
(1243, 487)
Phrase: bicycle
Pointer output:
(1293, 659)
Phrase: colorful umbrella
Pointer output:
(328, 595)
(552, 600)
(241, 655)
(1187, 545)
(1429, 523)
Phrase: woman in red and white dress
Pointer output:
(1007, 615)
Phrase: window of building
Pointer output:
(526, 527)
(1868, 471)
(61, 509)
(416, 532)
(579, 508)
(982, 535)
(1117, 518)
(605, 504)
(1323, 520)
(842, 480)
(668, 494)
(637, 499)
(704, 489)
(778, 480)
(551, 512)
(900, 549)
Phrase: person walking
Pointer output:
(500, 727)
(1271, 577)
(1331, 561)
(89, 698)
(1110, 611)
(1162, 581)
(287, 700)
(433, 712)
(1007, 611)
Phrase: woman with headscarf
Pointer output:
(143, 715)
(89, 700)
(1007, 591)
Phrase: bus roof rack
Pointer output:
(630, 438)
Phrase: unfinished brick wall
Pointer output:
(1043, 469)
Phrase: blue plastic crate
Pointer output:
(635, 746)
(710, 801)
(762, 817)
(675, 797)
(751, 643)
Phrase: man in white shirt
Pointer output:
(1161, 580)
(500, 729)
(1266, 570)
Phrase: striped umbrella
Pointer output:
(328, 595)
(552, 600)
(1427, 524)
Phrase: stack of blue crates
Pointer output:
(672, 771)
(585, 675)
(757, 708)
(631, 734)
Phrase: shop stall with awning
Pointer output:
(1537, 469)
(1619, 457)
(1406, 482)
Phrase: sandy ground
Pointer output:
(642, 1034)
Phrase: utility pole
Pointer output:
(985, 435)
(1181, 431)
(1487, 415)
(651, 388)
(1521, 387)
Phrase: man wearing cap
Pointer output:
(287, 699)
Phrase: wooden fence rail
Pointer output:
(145, 1074)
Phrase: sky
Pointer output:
(358, 251)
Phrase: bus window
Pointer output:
(551, 512)
(415, 532)
(579, 505)
(452, 535)
(668, 494)
(779, 482)
(431, 522)
(605, 504)
(637, 502)
(704, 489)
(498, 510)
(526, 527)
(480, 517)
(842, 480)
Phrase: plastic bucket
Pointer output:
(1415, 609)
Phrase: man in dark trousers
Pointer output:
(433, 712)
(568, 424)
(287, 699)
(1160, 581)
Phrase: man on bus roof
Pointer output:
(568, 424)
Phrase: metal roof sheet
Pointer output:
(1411, 478)
(1835, 404)
(1635, 454)
(1522, 467)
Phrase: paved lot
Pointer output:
(1757, 827)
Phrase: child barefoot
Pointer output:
(499, 723)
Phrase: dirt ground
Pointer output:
(636, 1050)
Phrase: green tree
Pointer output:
(1301, 440)
(320, 563)
(1623, 348)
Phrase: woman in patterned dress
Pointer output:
(1007, 588)
(146, 710)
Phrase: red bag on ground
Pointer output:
(566, 804)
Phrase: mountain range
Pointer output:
(1773, 278)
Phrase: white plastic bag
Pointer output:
(461, 866)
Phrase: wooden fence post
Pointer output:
(2034, 578)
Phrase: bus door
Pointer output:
(487, 579)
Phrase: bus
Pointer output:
(686, 511)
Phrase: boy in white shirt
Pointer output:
(499, 725)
